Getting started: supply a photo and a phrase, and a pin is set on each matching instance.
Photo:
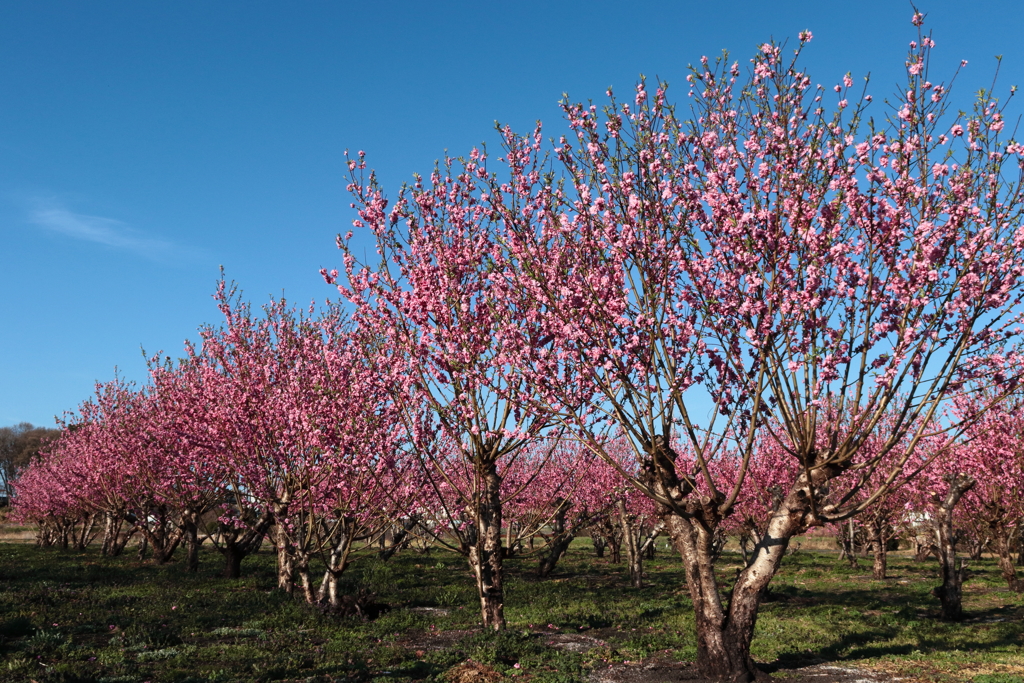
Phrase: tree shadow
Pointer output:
(870, 642)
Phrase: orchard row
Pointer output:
(774, 313)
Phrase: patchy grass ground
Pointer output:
(68, 616)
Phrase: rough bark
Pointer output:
(748, 541)
(399, 537)
(232, 562)
(950, 593)
(976, 546)
(108, 533)
(285, 568)
(485, 554)
(724, 633)
(143, 547)
(44, 537)
(876, 530)
(165, 552)
(561, 537)
(337, 563)
(161, 536)
(1001, 534)
(237, 544)
(192, 542)
(611, 536)
(848, 537)
(84, 538)
(114, 540)
(634, 558)
(647, 547)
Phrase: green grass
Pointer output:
(67, 616)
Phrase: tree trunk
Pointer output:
(951, 591)
(232, 561)
(143, 547)
(510, 549)
(110, 531)
(164, 553)
(748, 541)
(599, 544)
(878, 549)
(650, 541)
(337, 563)
(849, 538)
(88, 524)
(162, 539)
(485, 555)
(1001, 535)
(282, 544)
(723, 638)
(634, 557)
(724, 634)
(118, 539)
(191, 533)
(44, 535)
(399, 537)
(976, 546)
(236, 545)
(560, 539)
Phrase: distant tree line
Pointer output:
(19, 444)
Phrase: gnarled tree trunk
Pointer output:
(160, 534)
(485, 554)
(1001, 534)
(190, 530)
(114, 541)
(237, 544)
(337, 563)
(725, 632)
(634, 557)
(950, 593)
(399, 537)
(285, 568)
(561, 537)
(879, 540)
(848, 538)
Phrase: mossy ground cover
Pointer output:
(73, 616)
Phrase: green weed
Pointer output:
(69, 616)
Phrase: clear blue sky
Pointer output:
(143, 145)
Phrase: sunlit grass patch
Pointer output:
(147, 622)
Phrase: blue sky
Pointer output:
(144, 145)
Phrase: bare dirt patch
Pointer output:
(472, 672)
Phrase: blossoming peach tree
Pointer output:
(770, 265)
(433, 314)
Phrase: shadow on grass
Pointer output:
(929, 634)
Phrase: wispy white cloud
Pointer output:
(107, 231)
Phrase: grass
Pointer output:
(69, 616)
